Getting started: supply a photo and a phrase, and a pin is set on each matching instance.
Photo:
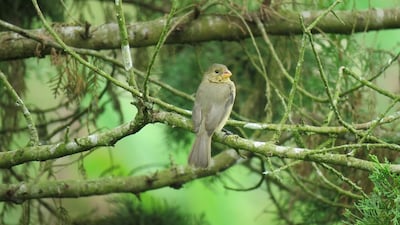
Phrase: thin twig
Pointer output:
(334, 186)
(103, 74)
(331, 97)
(163, 37)
(70, 51)
(336, 95)
(371, 85)
(33, 133)
(316, 129)
(380, 72)
(97, 54)
(312, 193)
(281, 66)
(262, 69)
(125, 49)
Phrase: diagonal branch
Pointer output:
(34, 136)
(45, 152)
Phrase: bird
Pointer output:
(212, 107)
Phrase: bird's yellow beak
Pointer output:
(226, 74)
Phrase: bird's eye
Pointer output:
(216, 71)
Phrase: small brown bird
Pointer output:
(211, 110)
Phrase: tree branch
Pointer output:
(108, 138)
(46, 152)
(33, 133)
(315, 129)
(200, 29)
(173, 177)
(268, 149)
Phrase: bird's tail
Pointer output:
(200, 156)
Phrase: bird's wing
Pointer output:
(196, 117)
(219, 113)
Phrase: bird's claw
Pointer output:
(227, 132)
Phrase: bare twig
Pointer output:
(33, 133)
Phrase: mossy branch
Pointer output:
(204, 28)
(123, 34)
(173, 177)
(109, 138)
(268, 149)
(46, 152)
(316, 129)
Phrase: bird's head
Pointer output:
(218, 73)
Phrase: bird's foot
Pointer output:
(227, 132)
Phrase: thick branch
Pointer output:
(173, 177)
(203, 28)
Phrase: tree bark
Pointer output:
(193, 30)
